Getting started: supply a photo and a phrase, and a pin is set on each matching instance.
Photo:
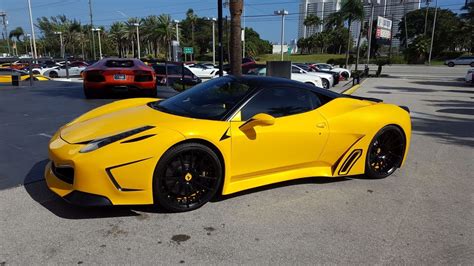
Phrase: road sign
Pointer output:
(188, 50)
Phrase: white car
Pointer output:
(470, 76)
(60, 71)
(42, 70)
(305, 78)
(204, 71)
(344, 72)
(326, 79)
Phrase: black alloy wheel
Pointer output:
(187, 177)
(450, 64)
(385, 153)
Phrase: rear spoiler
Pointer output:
(363, 98)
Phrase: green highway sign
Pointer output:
(187, 50)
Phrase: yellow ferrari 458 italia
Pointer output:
(220, 137)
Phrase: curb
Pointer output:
(354, 88)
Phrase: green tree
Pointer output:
(351, 10)
(312, 21)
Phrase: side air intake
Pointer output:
(350, 161)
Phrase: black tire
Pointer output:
(178, 182)
(472, 64)
(326, 84)
(53, 74)
(36, 72)
(89, 94)
(385, 152)
(450, 64)
(150, 93)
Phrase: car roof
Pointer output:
(277, 81)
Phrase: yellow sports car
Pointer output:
(220, 137)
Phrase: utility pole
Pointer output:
(405, 23)
(433, 32)
(92, 33)
(5, 22)
(176, 22)
(31, 44)
(426, 15)
(61, 43)
(282, 13)
(32, 30)
(138, 40)
(219, 37)
(100, 45)
(371, 22)
(213, 20)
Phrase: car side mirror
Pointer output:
(258, 120)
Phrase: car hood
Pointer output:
(121, 116)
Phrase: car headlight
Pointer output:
(99, 143)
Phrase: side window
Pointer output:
(295, 70)
(280, 102)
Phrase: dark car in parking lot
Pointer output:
(175, 75)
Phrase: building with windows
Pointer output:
(320, 8)
(389, 9)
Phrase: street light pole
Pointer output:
(31, 44)
(60, 43)
(138, 39)
(213, 20)
(433, 32)
(371, 24)
(32, 31)
(219, 37)
(282, 13)
(100, 45)
(176, 22)
(92, 26)
(5, 23)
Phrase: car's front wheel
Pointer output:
(53, 74)
(385, 153)
(450, 64)
(187, 177)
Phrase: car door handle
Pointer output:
(321, 125)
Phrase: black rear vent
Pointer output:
(94, 76)
(350, 161)
(64, 173)
(143, 78)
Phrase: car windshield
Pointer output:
(211, 100)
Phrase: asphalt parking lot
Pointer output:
(422, 214)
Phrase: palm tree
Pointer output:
(235, 7)
(351, 10)
(165, 27)
(16, 33)
(192, 18)
(151, 32)
(117, 33)
(312, 21)
(131, 35)
(334, 20)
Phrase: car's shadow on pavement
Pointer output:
(36, 187)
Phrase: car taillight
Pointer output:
(143, 76)
(94, 76)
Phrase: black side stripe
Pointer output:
(138, 138)
(225, 136)
(116, 184)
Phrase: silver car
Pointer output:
(462, 60)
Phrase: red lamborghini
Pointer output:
(114, 74)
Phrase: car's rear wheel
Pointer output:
(90, 94)
(472, 64)
(187, 177)
(53, 74)
(326, 84)
(385, 153)
(450, 64)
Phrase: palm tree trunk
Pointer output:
(348, 43)
(358, 46)
(236, 7)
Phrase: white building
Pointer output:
(320, 8)
(389, 9)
